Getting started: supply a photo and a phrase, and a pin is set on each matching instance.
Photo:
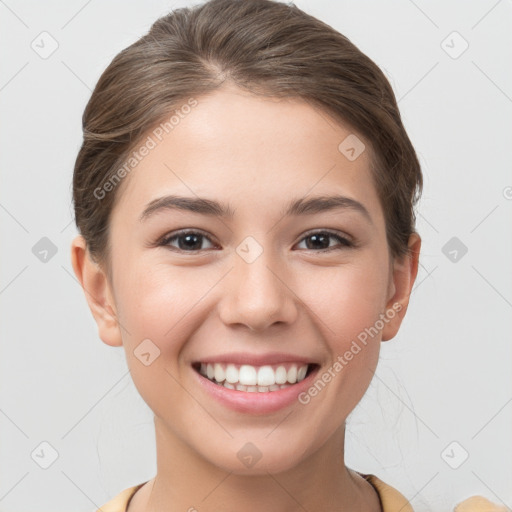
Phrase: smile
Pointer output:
(254, 379)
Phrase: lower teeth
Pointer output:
(252, 389)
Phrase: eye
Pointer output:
(320, 241)
(189, 241)
(192, 241)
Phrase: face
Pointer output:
(256, 295)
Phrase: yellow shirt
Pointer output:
(391, 500)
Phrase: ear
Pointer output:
(404, 271)
(97, 292)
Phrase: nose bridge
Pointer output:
(257, 295)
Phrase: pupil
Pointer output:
(317, 237)
(192, 245)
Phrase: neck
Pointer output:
(187, 482)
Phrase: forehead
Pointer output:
(255, 151)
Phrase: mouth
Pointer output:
(255, 379)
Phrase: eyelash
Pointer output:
(344, 242)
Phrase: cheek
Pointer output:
(349, 306)
(156, 308)
(155, 299)
(347, 309)
(158, 302)
(349, 298)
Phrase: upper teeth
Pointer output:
(247, 375)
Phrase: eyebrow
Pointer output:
(302, 206)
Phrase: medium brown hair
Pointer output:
(266, 47)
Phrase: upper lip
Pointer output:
(256, 359)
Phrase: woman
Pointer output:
(245, 196)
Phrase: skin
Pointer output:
(255, 154)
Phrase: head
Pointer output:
(252, 106)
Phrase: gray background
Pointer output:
(444, 379)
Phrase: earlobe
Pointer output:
(97, 292)
(405, 271)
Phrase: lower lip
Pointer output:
(256, 402)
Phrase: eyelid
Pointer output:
(343, 237)
(165, 239)
(335, 233)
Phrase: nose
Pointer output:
(257, 295)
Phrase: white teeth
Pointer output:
(281, 375)
(247, 375)
(231, 373)
(220, 374)
(301, 373)
(266, 376)
(292, 375)
(253, 379)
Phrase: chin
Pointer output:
(257, 458)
